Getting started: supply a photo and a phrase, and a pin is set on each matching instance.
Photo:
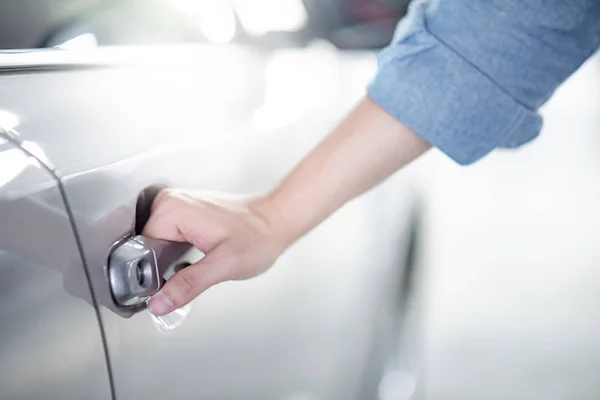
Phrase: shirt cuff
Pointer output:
(445, 99)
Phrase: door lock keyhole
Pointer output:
(143, 273)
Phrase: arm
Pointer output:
(467, 76)
(367, 147)
(243, 237)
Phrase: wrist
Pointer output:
(278, 229)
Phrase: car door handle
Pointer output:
(138, 267)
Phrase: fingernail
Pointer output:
(160, 304)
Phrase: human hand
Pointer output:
(242, 237)
(238, 240)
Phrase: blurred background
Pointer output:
(266, 23)
(506, 296)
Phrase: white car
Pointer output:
(85, 132)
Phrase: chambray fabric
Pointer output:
(470, 75)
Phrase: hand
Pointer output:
(242, 237)
(238, 240)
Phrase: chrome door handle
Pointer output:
(137, 268)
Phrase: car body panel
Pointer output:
(219, 122)
(50, 341)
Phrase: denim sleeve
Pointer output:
(470, 75)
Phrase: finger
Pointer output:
(190, 282)
(162, 194)
(164, 226)
(168, 213)
(175, 218)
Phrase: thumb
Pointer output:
(190, 282)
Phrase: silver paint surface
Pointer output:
(50, 345)
(189, 118)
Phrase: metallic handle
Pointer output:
(138, 267)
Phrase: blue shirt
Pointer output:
(470, 75)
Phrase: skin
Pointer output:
(243, 236)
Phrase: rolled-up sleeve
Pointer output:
(469, 76)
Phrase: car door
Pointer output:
(117, 121)
(50, 340)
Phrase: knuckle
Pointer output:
(183, 286)
(161, 198)
(168, 198)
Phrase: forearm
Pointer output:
(367, 147)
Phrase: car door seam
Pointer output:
(12, 138)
